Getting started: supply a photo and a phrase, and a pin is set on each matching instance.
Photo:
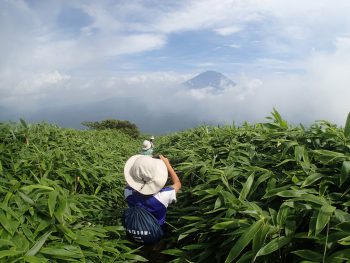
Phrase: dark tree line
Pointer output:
(121, 125)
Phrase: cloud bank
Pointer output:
(58, 55)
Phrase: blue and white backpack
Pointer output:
(141, 225)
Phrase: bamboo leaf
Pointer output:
(195, 246)
(347, 127)
(284, 162)
(6, 242)
(98, 188)
(290, 225)
(129, 257)
(7, 198)
(52, 201)
(173, 252)
(327, 156)
(61, 211)
(260, 237)
(37, 246)
(244, 240)
(323, 217)
(218, 203)
(6, 223)
(23, 122)
(309, 255)
(273, 215)
(34, 259)
(246, 257)
(64, 252)
(339, 256)
(312, 223)
(29, 188)
(274, 191)
(311, 198)
(9, 253)
(26, 198)
(312, 179)
(246, 187)
(344, 241)
(341, 216)
(260, 180)
(70, 235)
(229, 224)
(273, 245)
(345, 172)
(27, 232)
(291, 193)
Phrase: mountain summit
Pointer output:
(211, 79)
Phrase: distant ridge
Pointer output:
(211, 79)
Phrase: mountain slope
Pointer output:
(211, 79)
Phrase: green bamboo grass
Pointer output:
(61, 193)
(267, 192)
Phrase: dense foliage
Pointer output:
(61, 194)
(267, 192)
(261, 193)
(121, 125)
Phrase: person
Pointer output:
(151, 139)
(147, 148)
(146, 178)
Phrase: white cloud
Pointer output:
(32, 40)
(32, 92)
(329, 81)
(103, 19)
(50, 78)
(234, 45)
(300, 64)
(226, 31)
(208, 14)
(201, 94)
(206, 65)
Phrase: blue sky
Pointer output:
(73, 52)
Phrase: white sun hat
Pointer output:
(146, 145)
(145, 174)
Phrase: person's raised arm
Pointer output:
(174, 178)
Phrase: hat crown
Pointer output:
(146, 145)
(143, 170)
(145, 174)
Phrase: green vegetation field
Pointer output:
(268, 192)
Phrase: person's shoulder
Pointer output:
(167, 189)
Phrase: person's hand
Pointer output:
(165, 160)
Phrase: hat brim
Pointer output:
(150, 188)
